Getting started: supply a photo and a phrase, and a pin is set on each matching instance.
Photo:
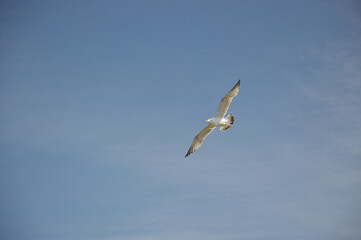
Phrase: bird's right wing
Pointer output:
(198, 140)
(226, 100)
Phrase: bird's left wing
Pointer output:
(198, 140)
(226, 100)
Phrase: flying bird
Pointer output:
(219, 120)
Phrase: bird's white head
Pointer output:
(209, 120)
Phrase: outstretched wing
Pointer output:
(198, 140)
(226, 101)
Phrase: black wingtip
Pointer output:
(188, 153)
(237, 84)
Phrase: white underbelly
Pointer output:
(221, 122)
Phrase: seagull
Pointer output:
(219, 120)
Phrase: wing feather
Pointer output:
(226, 100)
(198, 140)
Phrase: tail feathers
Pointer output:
(231, 118)
(230, 122)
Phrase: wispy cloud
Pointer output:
(334, 88)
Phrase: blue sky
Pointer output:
(100, 101)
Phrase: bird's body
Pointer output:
(219, 120)
(222, 123)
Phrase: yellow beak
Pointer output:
(207, 121)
